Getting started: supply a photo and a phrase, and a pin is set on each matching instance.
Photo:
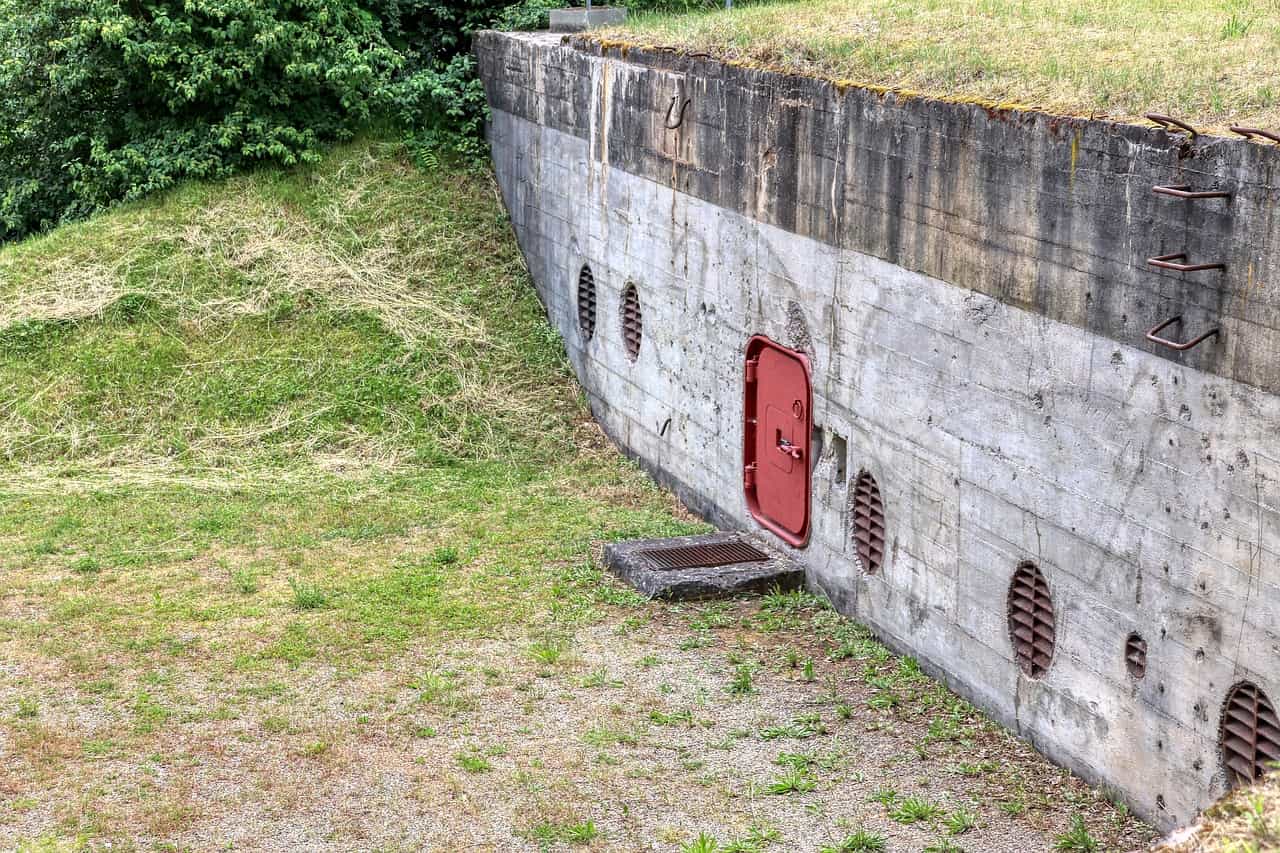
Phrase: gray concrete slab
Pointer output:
(580, 18)
(628, 561)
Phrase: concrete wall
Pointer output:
(971, 287)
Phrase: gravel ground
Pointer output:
(638, 732)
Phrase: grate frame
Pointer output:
(1135, 656)
(1031, 620)
(586, 302)
(868, 522)
(632, 321)
(1248, 735)
(674, 557)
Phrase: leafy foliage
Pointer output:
(107, 101)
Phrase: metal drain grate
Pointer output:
(702, 556)
(1135, 655)
(868, 522)
(586, 302)
(1250, 734)
(632, 321)
(1031, 620)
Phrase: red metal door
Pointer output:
(777, 423)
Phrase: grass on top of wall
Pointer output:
(1211, 63)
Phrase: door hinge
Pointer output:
(752, 364)
(749, 476)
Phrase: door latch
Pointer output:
(787, 448)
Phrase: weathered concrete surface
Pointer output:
(576, 20)
(623, 559)
(972, 290)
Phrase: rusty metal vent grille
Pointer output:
(702, 556)
(1135, 655)
(868, 522)
(632, 322)
(587, 303)
(1031, 620)
(1250, 734)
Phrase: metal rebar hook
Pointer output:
(1154, 336)
(1250, 132)
(1185, 191)
(1171, 262)
(1170, 123)
(680, 118)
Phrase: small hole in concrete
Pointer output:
(840, 450)
(632, 321)
(1249, 734)
(1031, 627)
(815, 446)
(1135, 655)
(868, 523)
(586, 303)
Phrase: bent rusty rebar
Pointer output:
(1170, 262)
(1154, 336)
(1250, 132)
(1185, 191)
(683, 107)
(1168, 122)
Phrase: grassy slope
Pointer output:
(286, 419)
(1211, 62)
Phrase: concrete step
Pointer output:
(712, 565)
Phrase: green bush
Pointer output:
(105, 101)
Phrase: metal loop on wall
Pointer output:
(1185, 191)
(1170, 262)
(1250, 132)
(680, 118)
(1154, 336)
(1171, 123)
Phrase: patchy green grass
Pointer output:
(1208, 62)
(1076, 839)
(284, 424)
(1246, 820)
(860, 841)
(321, 407)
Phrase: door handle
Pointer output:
(788, 449)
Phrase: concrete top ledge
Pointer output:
(1058, 215)
(579, 18)
(658, 56)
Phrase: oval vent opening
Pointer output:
(1250, 734)
(1031, 620)
(1135, 655)
(586, 302)
(868, 522)
(632, 321)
